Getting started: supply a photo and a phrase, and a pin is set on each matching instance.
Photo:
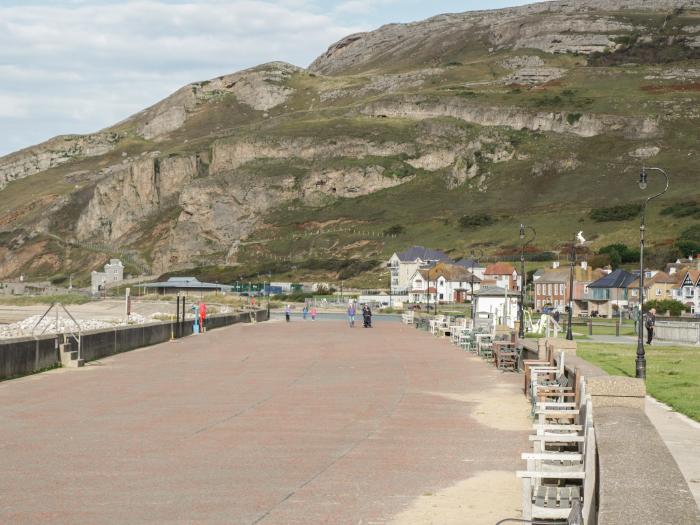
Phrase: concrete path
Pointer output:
(682, 437)
(272, 423)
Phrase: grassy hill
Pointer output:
(390, 138)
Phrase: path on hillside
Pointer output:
(270, 423)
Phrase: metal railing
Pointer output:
(59, 306)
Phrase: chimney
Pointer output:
(584, 265)
(555, 265)
(672, 270)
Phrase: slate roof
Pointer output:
(424, 254)
(469, 263)
(616, 279)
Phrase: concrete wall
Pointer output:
(26, 355)
(637, 481)
(679, 332)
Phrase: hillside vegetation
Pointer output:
(448, 133)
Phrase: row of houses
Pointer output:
(429, 276)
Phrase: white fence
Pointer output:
(683, 332)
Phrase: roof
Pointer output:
(616, 279)
(184, 282)
(554, 276)
(499, 268)
(495, 291)
(468, 263)
(451, 272)
(694, 277)
(658, 278)
(424, 254)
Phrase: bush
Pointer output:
(625, 253)
(623, 212)
(689, 241)
(675, 308)
(396, 229)
(474, 221)
(683, 209)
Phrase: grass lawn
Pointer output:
(673, 372)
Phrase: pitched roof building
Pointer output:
(403, 265)
(502, 275)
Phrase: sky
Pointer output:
(77, 66)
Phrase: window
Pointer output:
(561, 289)
(442, 297)
(549, 289)
(658, 292)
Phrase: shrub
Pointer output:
(396, 229)
(683, 209)
(476, 220)
(675, 308)
(626, 254)
(573, 118)
(623, 212)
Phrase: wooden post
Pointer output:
(590, 327)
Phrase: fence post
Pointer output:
(590, 327)
(617, 328)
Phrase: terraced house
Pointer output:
(689, 291)
(404, 265)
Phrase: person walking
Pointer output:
(202, 316)
(313, 313)
(351, 314)
(650, 323)
(287, 312)
(369, 317)
(305, 311)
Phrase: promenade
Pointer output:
(273, 423)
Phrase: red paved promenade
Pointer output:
(275, 423)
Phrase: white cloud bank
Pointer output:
(82, 66)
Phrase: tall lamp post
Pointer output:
(475, 258)
(523, 277)
(572, 263)
(641, 362)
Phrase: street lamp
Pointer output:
(474, 258)
(572, 263)
(641, 363)
(523, 278)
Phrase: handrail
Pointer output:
(70, 332)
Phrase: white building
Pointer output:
(405, 264)
(501, 303)
(689, 291)
(113, 273)
(444, 283)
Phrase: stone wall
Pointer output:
(638, 480)
(27, 355)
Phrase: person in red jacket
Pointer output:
(202, 316)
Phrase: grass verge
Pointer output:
(673, 372)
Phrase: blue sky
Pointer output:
(77, 66)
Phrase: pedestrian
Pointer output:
(366, 316)
(351, 314)
(556, 316)
(305, 311)
(287, 312)
(369, 317)
(313, 313)
(650, 323)
(202, 316)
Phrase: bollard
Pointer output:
(590, 327)
(617, 328)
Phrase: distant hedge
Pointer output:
(476, 220)
(623, 212)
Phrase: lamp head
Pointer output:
(643, 179)
(522, 232)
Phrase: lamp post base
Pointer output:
(641, 368)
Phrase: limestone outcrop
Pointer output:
(584, 125)
(53, 153)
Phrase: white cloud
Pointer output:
(81, 66)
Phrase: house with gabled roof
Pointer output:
(502, 275)
(689, 290)
(610, 294)
(403, 265)
(443, 283)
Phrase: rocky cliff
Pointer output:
(516, 114)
